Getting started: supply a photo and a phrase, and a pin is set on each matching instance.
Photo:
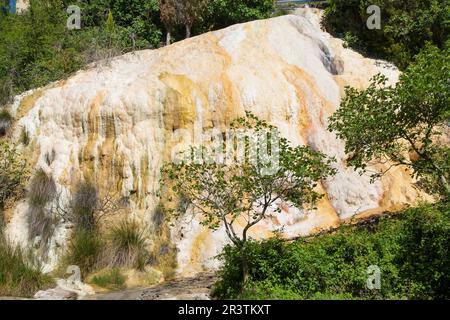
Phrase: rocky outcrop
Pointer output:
(120, 120)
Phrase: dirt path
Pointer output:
(196, 288)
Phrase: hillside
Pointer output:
(119, 120)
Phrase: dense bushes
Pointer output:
(223, 13)
(406, 26)
(411, 250)
(36, 47)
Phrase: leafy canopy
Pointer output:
(404, 125)
(406, 26)
(225, 191)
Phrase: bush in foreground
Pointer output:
(112, 280)
(411, 250)
(85, 251)
(19, 274)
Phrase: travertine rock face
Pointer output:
(119, 121)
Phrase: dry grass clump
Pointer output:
(128, 245)
(41, 221)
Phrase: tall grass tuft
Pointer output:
(20, 275)
(127, 247)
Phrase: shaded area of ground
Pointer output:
(195, 288)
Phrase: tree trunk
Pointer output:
(244, 270)
(168, 38)
(244, 263)
(188, 31)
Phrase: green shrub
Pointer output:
(20, 275)
(85, 251)
(111, 280)
(424, 252)
(406, 26)
(411, 249)
(128, 243)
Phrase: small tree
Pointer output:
(402, 125)
(169, 16)
(191, 12)
(242, 191)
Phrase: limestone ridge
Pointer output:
(116, 120)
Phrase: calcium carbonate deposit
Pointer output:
(120, 120)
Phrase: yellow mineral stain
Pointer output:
(28, 103)
(94, 118)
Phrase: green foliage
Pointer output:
(406, 26)
(128, 242)
(262, 168)
(403, 124)
(269, 170)
(36, 48)
(131, 17)
(85, 251)
(24, 137)
(223, 13)
(112, 280)
(87, 210)
(411, 249)
(20, 276)
(12, 174)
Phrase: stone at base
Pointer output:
(56, 294)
